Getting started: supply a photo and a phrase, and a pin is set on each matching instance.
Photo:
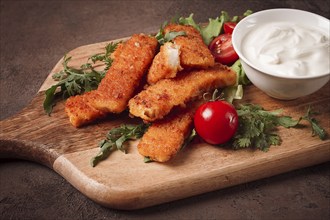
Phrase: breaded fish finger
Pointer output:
(187, 51)
(119, 84)
(80, 111)
(165, 137)
(159, 99)
(194, 52)
(125, 73)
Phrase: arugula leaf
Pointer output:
(160, 34)
(116, 139)
(189, 139)
(49, 100)
(73, 81)
(162, 39)
(105, 57)
(172, 34)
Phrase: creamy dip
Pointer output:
(288, 49)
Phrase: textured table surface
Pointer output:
(34, 35)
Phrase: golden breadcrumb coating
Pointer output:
(119, 84)
(187, 51)
(165, 137)
(126, 72)
(80, 111)
(194, 53)
(157, 100)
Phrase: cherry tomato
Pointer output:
(216, 122)
(222, 49)
(228, 27)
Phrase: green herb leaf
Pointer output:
(316, 128)
(105, 57)
(287, 121)
(49, 100)
(212, 30)
(189, 139)
(168, 37)
(116, 139)
(172, 34)
(257, 127)
(189, 21)
(232, 92)
(236, 91)
(73, 81)
(242, 78)
(106, 148)
(247, 13)
(147, 159)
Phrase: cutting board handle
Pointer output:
(27, 151)
(23, 135)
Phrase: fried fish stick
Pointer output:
(80, 111)
(165, 137)
(194, 53)
(159, 99)
(188, 51)
(125, 74)
(119, 84)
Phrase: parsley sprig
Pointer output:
(257, 127)
(316, 128)
(116, 138)
(73, 81)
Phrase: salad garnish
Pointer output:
(74, 81)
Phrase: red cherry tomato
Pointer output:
(228, 27)
(216, 122)
(222, 49)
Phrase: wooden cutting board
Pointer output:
(124, 181)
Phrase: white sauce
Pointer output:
(288, 49)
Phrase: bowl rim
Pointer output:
(258, 13)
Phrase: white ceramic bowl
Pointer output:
(281, 87)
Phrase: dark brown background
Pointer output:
(36, 34)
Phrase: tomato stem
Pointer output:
(215, 96)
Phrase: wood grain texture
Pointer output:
(124, 181)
